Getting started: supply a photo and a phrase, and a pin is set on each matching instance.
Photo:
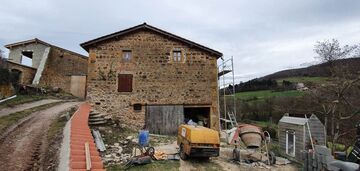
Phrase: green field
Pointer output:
(317, 80)
(263, 94)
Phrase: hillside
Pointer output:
(320, 70)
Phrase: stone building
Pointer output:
(145, 76)
(42, 64)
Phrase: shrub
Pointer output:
(272, 131)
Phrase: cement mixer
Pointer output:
(252, 137)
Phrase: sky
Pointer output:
(263, 36)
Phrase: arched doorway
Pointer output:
(16, 76)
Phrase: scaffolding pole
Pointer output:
(226, 77)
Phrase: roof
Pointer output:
(293, 120)
(88, 44)
(36, 40)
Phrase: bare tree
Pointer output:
(337, 99)
(3, 63)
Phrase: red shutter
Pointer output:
(125, 82)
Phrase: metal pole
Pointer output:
(233, 84)
(224, 89)
(218, 98)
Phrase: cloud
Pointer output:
(263, 36)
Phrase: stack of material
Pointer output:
(160, 155)
(97, 118)
(323, 160)
(99, 141)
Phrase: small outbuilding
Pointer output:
(294, 134)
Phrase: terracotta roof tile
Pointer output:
(80, 134)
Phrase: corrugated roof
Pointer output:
(293, 120)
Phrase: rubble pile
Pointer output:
(119, 153)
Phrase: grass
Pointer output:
(158, 140)
(59, 124)
(206, 165)
(116, 134)
(263, 94)
(262, 124)
(11, 119)
(317, 80)
(165, 165)
(20, 99)
(340, 147)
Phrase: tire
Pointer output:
(182, 153)
(150, 152)
(236, 154)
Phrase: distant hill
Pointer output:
(320, 70)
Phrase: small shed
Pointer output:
(294, 134)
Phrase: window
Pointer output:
(26, 58)
(125, 82)
(177, 56)
(126, 55)
(290, 143)
(137, 107)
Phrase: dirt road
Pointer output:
(18, 108)
(22, 148)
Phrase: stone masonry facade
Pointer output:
(157, 79)
(27, 73)
(59, 68)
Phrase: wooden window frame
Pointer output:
(126, 79)
(292, 133)
(124, 52)
(182, 57)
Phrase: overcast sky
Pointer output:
(263, 36)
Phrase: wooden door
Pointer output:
(78, 86)
(164, 119)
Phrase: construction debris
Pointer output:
(282, 161)
(160, 155)
(99, 141)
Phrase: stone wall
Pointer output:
(6, 91)
(27, 73)
(38, 49)
(157, 80)
(60, 66)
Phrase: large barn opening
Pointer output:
(199, 115)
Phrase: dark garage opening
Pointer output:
(200, 115)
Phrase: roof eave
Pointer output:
(86, 45)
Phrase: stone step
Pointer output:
(97, 116)
(98, 122)
(96, 119)
(94, 113)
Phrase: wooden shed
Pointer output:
(294, 134)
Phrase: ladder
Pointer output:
(232, 119)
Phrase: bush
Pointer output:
(275, 147)
(4, 76)
(272, 131)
